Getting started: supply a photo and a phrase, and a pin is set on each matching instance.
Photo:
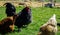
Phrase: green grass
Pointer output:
(39, 17)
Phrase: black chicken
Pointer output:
(58, 24)
(10, 9)
(24, 18)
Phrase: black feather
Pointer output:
(24, 17)
(10, 9)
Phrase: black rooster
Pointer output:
(24, 18)
(10, 9)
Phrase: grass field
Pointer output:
(39, 17)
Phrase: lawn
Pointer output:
(39, 17)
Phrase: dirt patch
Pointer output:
(31, 4)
